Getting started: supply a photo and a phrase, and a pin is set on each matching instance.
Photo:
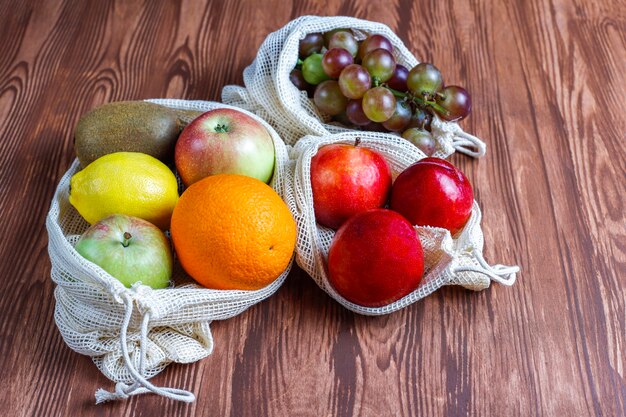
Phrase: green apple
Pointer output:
(130, 249)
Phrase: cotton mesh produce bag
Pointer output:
(132, 334)
(448, 260)
(269, 93)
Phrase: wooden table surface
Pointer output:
(548, 84)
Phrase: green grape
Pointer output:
(312, 70)
(328, 98)
(380, 64)
(424, 79)
(379, 104)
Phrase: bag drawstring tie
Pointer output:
(140, 385)
(505, 275)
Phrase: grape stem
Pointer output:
(417, 100)
(397, 93)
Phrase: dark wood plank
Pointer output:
(547, 81)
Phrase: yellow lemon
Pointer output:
(128, 183)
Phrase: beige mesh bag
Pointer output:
(133, 334)
(448, 260)
(270, 94)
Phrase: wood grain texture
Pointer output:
(548, 85)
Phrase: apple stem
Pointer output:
(126, 241)
(221, 128)
(357, 142)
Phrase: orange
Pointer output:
(233, 232)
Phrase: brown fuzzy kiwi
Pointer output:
(129, 126)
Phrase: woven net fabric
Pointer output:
(91, 305)
(269, 93)
(448, 260)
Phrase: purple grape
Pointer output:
(400, 118)
(456, 100)
(311, 44)
(374, 127)
(328, 98)
(342, 118)
(354, 81)
(335, 60)
(373, 42)
(420, 138)
(398, 79)
(354, 111)
(421, 119)
(296, 77)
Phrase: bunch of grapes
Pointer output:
(360, 84)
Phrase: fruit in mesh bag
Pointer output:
(224, 141)
(233, 232)
(128, 183)
(391, 94)
(375, 258)
(433, 192)
(130, 249)
(346, 180)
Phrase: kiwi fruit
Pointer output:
(130, 126)
(186, 116)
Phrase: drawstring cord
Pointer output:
(468, 144)
(140, 385)
(461, 141)
(505, 275)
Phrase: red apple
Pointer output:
(375, 258)
(224, 141)
(432, 192)
(346, 180)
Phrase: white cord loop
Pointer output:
(458, 139)
(468, 144)
(505, 275)
(140, 384)
(464, 142)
